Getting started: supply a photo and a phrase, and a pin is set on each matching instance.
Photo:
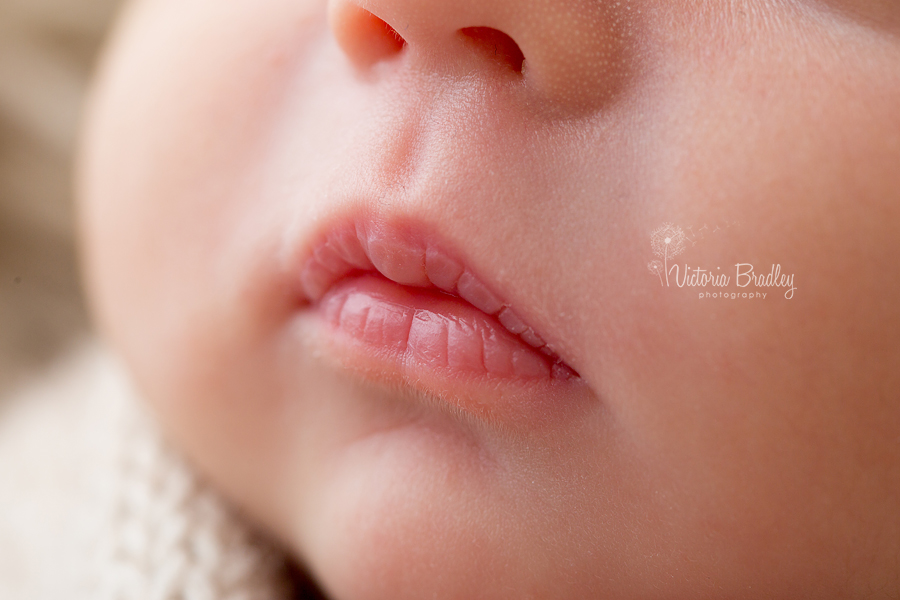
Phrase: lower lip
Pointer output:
(435, 342)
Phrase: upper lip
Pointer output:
(410, 254)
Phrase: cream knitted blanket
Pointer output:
(94, 504)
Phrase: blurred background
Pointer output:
(47, 53)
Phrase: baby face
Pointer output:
(546, 299)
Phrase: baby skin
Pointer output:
(521, 298)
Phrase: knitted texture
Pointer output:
(171, 537)
(95, 503)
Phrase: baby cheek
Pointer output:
(169, 179)
(174, 148)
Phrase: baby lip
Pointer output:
(475, 293)
(345, 244)
(400, 262)
(407, 260)
(417, 329)
(511, 321)
(532, 339)
(442, 270)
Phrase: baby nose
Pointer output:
(566, 53)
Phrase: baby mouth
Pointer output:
(393, 296)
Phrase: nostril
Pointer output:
(495, 45)
(365, 37)
(381, 35)
(393, 40)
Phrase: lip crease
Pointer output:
(406, 299)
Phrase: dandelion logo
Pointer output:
(656, 267)
(666, 241)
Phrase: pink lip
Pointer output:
(392, 305)
(408, 302)
(421, 329)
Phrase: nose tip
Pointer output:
(568, 53)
